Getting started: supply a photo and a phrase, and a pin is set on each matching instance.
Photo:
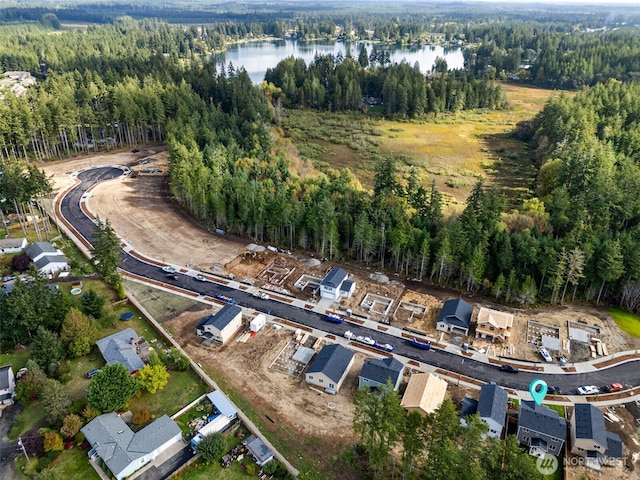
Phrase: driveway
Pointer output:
(8, 450)
(164, 470)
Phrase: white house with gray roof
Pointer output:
(124, 451)
(331, 285)
(492, 408)
(330, 367)
(12, 245)
(221, 326)
(589, 436)
(7, 385)
(541, 429)
(46, 258)
(122, 347)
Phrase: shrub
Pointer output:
(211, 447)
(79, 438)
(53, 442)
(71, 425)
(89, 413)
(141, 417)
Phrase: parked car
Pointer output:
(588, 390)
(545, 354)
(553, 391)
(613, 387)
(200, 278)
(509, 369)
(169, 269)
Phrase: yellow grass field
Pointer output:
(455, 150)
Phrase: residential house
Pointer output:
(425, 392)
(221, 326)
(7, 385)
(455, 317)
(258, 450)
(12, 245)
(494, 325)
(330, 367)
(541, 429)
(589, 436)
(47, 259)
(122, 450)
(377, 372)
(121, 347)
(491, 407)
(331, 284)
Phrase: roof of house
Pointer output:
(468, 407)
(614, 445)
(258, 449)
(541, 419)
(346, 285)
(589, 423)
(332, 361)
(120, 348)
(118, 446)
(222, 403)
(4, 376)
(334, 278)
(49, 259)
(456, 312)
(380, 370)
(493, 403)
(38, 248)
(424, 391)
(222, 318)
(12, 242)
(501, 320)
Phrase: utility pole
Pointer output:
(21, 445)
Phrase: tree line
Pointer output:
(343, 83)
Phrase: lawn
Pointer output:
(628, 322)
(74, 463)
(17, 359)
(557, 408)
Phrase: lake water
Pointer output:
(257, 57)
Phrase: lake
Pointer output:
(257, 57)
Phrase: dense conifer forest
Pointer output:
(126, 82)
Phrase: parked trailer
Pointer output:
(334, 318)
(423, 345)
(359, 338)
(387, 347)
(218, 424)
(224, 298)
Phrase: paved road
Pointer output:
(627, 373)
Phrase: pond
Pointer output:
(256, 57)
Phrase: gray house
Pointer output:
(221, 326)
(330, 367)
(376, 372)
(122, 347)
(7, 385)
(330, 286)
(46, 257)
(541, 429)
(455, 317)
(124, 451)
(589, 436)
(492, 408)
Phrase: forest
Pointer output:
(129, 82)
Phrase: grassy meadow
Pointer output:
(454, 150)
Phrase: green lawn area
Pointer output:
(74, 463)
(557, 408)
(628, 322)
(183, 388)
(17, 359)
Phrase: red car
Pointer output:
(614, 387)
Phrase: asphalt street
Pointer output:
(627, 373)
